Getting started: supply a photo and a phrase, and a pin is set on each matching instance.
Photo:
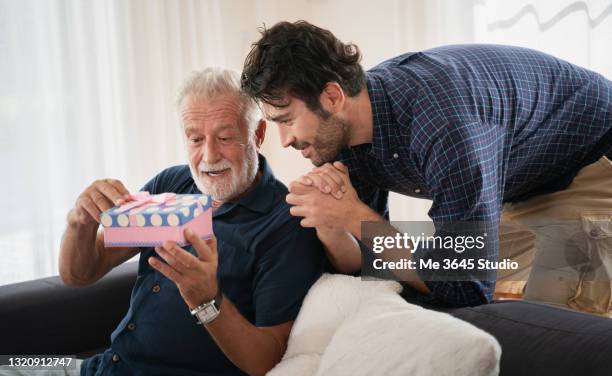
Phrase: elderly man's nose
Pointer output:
(210, 151)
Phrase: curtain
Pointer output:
(87, 91)
(87, 88)
(577, 31)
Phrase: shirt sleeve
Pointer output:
(463, 170)
(376, 198)
(289, 263)
(368, 192)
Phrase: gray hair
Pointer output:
(212, 82)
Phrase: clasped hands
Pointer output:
(325, 198)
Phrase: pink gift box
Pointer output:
(149, 220)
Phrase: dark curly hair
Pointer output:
(299, 59)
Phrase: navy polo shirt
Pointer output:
(267, 263)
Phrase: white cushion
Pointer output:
(352, 327)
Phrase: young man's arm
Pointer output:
(83, 257)
(341, 248)
(463, 180)
(345, 216)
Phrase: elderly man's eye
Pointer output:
(226, 140)
(195, 140)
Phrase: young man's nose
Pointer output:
(286, 137)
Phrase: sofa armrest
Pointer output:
(44, 316)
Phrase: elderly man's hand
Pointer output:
(195, 277)
(100, 196)
(318, 207)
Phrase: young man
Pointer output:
(258, 267)
(470, 127)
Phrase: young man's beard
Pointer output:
(234, 185)
(332, 136)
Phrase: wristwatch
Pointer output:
(207, 312)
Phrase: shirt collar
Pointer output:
(260, 198)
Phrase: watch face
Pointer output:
(208, 313)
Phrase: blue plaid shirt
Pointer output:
(473, 126)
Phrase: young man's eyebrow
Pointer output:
(278, 118)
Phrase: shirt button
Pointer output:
(417, 191)
(395, 155)
(594, 232)
(115, 358)
(156, 289)
(131, 326)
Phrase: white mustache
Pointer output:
(205, 167)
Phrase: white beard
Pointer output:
(232, 186)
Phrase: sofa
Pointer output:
(46, 317)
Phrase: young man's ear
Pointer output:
(332, 98)
(260, 133)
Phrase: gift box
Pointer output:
(149, 220)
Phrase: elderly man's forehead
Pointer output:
(230, 100)
(227, 106)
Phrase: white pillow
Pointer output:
(329, 302)
(352, 327)
(409, 342)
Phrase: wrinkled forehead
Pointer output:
(222, 110)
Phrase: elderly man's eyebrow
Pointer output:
(190, 129)
(194, 129)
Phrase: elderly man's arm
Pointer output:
(253, 347)
(255, 350)
(83, 257)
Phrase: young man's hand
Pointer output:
(328, 178)
(326, 199)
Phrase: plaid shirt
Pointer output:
(473, 126)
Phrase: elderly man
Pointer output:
(257, 269)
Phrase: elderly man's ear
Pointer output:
(260, 133)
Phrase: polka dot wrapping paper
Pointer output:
(149, 220)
